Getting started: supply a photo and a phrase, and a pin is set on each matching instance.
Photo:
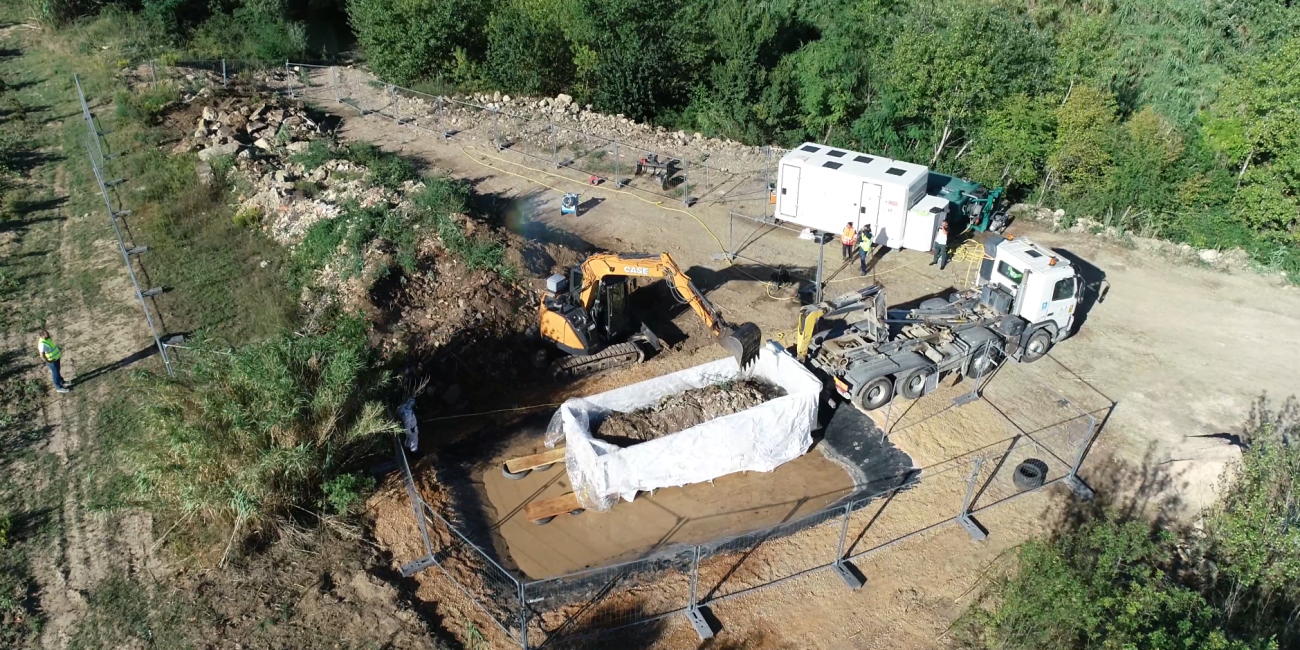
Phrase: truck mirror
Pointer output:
(1103, 288)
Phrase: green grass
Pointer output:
(241, 439)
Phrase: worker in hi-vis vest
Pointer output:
(864, 248)
(51, 354)
(848, 241)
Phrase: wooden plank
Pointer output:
(525, 463)
(552, 507)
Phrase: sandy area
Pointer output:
(695, 513)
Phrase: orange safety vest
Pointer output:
(849, 236)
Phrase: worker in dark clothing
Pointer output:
(864, 247)
(941, 247)
(50, 354)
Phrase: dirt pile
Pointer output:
(685, 410)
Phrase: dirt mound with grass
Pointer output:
(684, 410)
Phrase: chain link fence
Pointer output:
(1036, 427)
(1047, 420)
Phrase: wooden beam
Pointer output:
(548, 508)
(525, 463)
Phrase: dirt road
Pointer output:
(1181, 350)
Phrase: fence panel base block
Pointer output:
(1081, 490)
(977, 531)
(411, 568)
(850, 575)
(698, 621)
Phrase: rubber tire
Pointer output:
(886, 387)
(1041, 339)
(512, 475)
(544, 520)
(577, 511)
(543, 468)
(971, 372)
(1029, 475)
(933, 304)
(907, 387)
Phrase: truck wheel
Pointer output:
(912, 385)
(984, 361)
(1038, 345)
(1030, 474)
(875, 394)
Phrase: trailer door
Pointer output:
(789, 204)
(869, 207)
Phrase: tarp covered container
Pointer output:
(824, 188)
(758, 439)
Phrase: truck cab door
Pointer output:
(1061, 304)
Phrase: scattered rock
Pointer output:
(298, 147)
(1208, 255)
(563, 99)
(261, 143)
(219, 150)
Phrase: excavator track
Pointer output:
(623, 354)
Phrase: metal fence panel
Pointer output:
(600, 600)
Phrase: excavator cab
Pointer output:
(586, 313)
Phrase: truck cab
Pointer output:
(1021, 278)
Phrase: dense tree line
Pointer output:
(1177, 118)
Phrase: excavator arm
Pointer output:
(742, 341)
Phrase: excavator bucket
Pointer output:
(743, 342)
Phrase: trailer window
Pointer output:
(835, 153)
(894, 171)
(1011, 273)
(832, 165)
(809, 149)
(863, 159)
(1064, 289)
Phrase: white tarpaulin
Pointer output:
(758, 439)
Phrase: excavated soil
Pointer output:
(684, 410)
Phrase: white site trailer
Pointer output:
(823, 188)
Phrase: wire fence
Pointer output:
(1040, 437)
(100, 156)
(1044, 433)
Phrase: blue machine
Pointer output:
(569, 204)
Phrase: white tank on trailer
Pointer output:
(823, 188)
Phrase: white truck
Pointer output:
(1023, 304)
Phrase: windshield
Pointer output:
(1011, 273)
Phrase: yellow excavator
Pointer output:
(586, 314)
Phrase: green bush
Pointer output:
(345, 239)
(146, 105)
(527, 54)
(1117, 582)
(405, 40)
(318, 153)
(387, 169)
(252, 34)
(243, 438)
(346, 490)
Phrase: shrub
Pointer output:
(345, 490)
(145, 106)
(245, 437)
(387, 169)
(250, 34)
(405, 40)
(248, 217)
(318, 153)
